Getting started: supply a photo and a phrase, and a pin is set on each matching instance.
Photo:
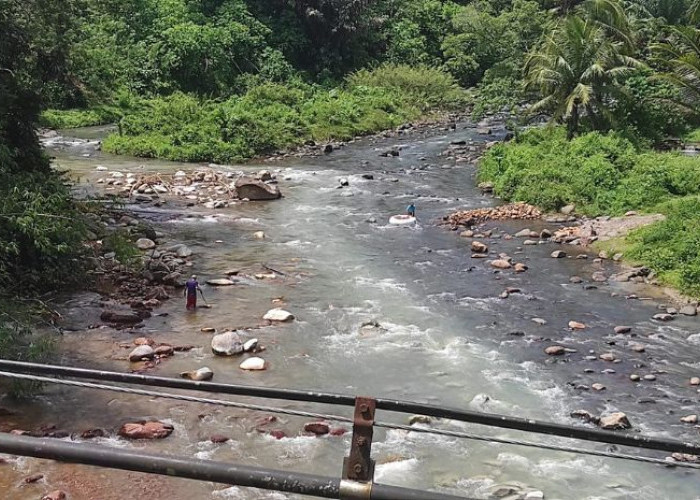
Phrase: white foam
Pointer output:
(395, 471)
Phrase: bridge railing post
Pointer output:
(358, 466)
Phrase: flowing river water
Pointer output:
(446, 339)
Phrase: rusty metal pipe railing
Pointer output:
(488, 419)
(205, 470)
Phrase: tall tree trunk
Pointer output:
(572, 124)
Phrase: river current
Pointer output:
(446, 337)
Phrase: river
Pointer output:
(446, 340)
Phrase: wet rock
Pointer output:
(219, 282)
(555, 350)
(672, 310)
(226, 344)
(250, 345)
(145, 430)
(690, 419)
(663, 317)
(318, 428)
(144, 341)
(608, 356)
(55, 495)
(534, 495)
(256, 190)
(695, 381)
(344, 182)
(33, 478)
(253, 364)
(599, 277)
(575, 325)
(207, 329)
(122, 317)
(157, 293)
(539, 321)
(520, 268)
(685, 457)
(545, 234)
(142, 352)
(479, 247)
(525, 233)
(567, 209)
(575, 279)
(419, 419)
(338, 431)
(259, 235)
(634, 377)
(265, 175)
(689, 310)
(558, 254)
(650, 377)
(278, 314)
(505, 492)
(145, 244)
(637, 347)
(218, 438)
(277, 434)
(500, 264)
(467, 234)
(597, 387)
(623, 329)
(201, 374)
(93, 433)
(614, 421)
(368, 177)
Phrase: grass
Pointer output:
(76, 118)
(607, 174)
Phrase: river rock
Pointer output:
(584, 415)
(207, 329)
(576, 279)
(634, 377)
(555, 350)
(534, 495)
(219, 282)
(608, 356)
(226, 344)
(575, 325)
(204, 373)
(278, 314)
(623, 329)
(567, 209)
(479, 247)
(218, 438)
(599, 277)
(690, 419)
(256, 190)
(525, 233)
(558, 254)
(265, 175)
(144, 341)
(597, 387)
(145, 244)
(638, 347)
(318, 428)
(120, 317)
(539, 321)
(650, 377)
(467, 234)
(259, 235)
(253, 363)
(55, 495)
(249, 345)
(695, 381)
(500, 264)
(689, 310)
(145, 430)
(617, 420)
(663, 317)
(142, 352)
(520, 267)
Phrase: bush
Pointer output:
(74, 118)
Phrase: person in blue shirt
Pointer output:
(411, 210)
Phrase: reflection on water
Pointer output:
(445, 336)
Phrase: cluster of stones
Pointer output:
(511, 211)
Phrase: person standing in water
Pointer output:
(411, 210)
(190, 292)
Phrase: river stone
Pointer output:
(250, 345)
(663, 317)
(278, 314)
(539, 321)
(207, 329)
(575, 279)
(164, 350)
(467, 234)
(555, 350)
(599, 277)
(567, 209)
(145, 430)
(597, 387)
(690, 419)
(689, 310)
(120, 317)
(142, 352)
(623, 329)
(638, 347)
(219, 282)
(520, 268)
(525, 233)
(608, 356)
(204, 373)
(575, 325)
(695, 381)
(617, 420)
(259, 235)
(558, 254)
(534, 495)
(255, 189)
(650, 377)
(253, 363)
(500, 264)
(226, 344)
(144, 341)
(634, 377)
(145, 244)
(55, 495)
(318, 428)
(479, 247)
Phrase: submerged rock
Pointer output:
(614, 421)
(201, 374)
(142, 352)
(145, 430)
(278, 314)
(318, 428)
(256, 190)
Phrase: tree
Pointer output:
(681, 53)
(576, 72)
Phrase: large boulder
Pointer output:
(125, 317)
(278, 314)
(617, 420)
(255, 189)
(226, 344)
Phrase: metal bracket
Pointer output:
(358, 466)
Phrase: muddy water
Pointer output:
(446, 340)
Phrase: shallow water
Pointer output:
(446, 338)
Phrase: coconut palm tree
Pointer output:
(681, 52)
(576, 73)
